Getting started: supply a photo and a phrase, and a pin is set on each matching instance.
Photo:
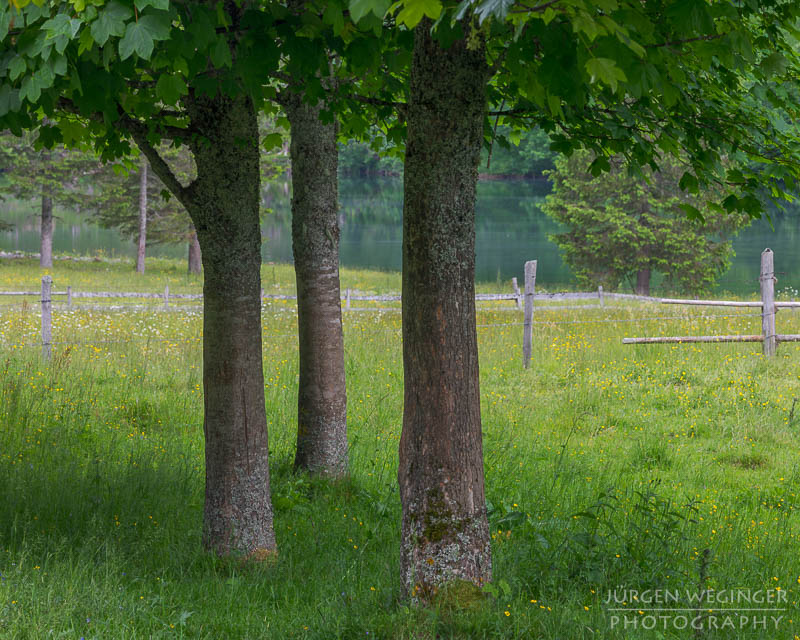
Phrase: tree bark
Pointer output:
(445, 533)
(142, 244)
(46, 249)
(195, 254)
(223, 203)
(643, 282)
(322, 397)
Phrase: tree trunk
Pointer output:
(322, 397)
(643, 282)
(445, 533)
(46, 251)
(224, 205)
(195, 255)
(142, 245)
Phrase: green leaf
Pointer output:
(85, 41)
(688, 182)
(360, 8)
(5, 21)
(139, 36)
(413, 11)
(586, 24)
(692, 212)
(170, 88)
(111, 22)
(493, 8)
(731, 203)
(158, 4)
(599, 165)
(30, 89)
(751, 205)
(221, 53)
(16, 68)
(334, 17)
(774, 65)
(58, 64)
(554, 103)
(605, 70)
(158, 24)
(272, 141)
(72, 131)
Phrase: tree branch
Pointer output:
(676, 43)
(138, 132)
(539, 8)
(377, 102)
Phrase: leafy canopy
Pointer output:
(713, 82)
(100, 69)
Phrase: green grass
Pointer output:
(608, 468)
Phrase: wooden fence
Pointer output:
(523, 299)
(519, 297)
(768, 338)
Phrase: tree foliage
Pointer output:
(708, 81)
(619, 225)
(116, 194)
(30, 170)
(517, 153)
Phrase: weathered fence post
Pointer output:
(47, 317)
(166, 297)
(347, 299)
(515, 287)
(69, 296)
(600, 295)
(530, 285)
(767, 279)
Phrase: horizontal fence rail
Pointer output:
(348, 295)
(688, 339)
(769, 337)
(726, 303)
(525, 297)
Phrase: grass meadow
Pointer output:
(621, 479)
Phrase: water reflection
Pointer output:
(510, 230)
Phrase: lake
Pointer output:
(510, 230)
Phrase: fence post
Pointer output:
(47, 319)
(515, 287)
(166, 297)
(767, 279)
(530, 285)
(69, 296)
(600, 295)
(347, 299)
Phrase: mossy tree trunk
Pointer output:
(445, 534)
(223, 202)
(322, 397)
(46, 236)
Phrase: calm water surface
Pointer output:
(510, 230)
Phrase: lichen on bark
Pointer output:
(445, 533)
(322, 399)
